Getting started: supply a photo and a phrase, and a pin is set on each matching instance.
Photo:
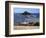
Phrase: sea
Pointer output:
(19, 18)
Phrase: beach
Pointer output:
(23, 27)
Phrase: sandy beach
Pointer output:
(22, 27)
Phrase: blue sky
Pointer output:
(30, 10)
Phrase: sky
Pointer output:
(30, 10)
